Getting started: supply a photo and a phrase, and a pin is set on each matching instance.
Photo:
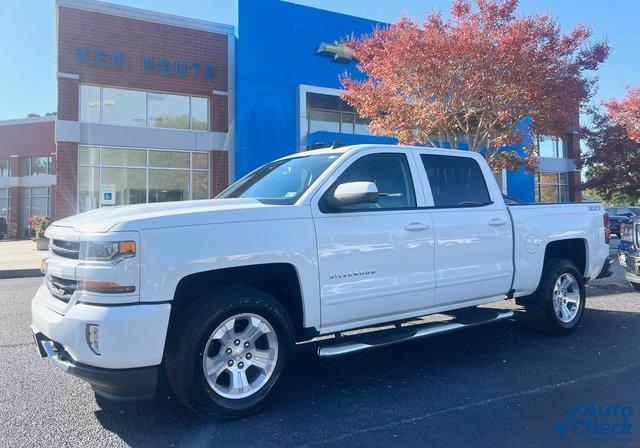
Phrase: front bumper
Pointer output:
(629, 259)
(131, 343)
(115, 384)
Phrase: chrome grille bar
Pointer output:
(66, 249)
(61, 288)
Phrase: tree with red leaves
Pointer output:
(612, 155)
(626, 112)
(471, 80)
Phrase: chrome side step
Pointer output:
(389, 337)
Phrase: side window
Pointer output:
(392, 176)
(455, 181)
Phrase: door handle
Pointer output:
(496, 222)
(416, 226)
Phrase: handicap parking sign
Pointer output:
(108, 195)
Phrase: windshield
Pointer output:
(282, 181)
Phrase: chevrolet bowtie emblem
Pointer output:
(339, 52)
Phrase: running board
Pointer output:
(389, 337)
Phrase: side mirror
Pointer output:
(353, 193)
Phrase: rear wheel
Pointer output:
(557, 306)
(229, 353)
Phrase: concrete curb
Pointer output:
(20, 273)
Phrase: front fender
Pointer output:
(170, 254)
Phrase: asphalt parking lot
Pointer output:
(498, 385)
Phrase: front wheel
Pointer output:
(229, 352)
(557, 306)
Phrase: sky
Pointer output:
(27, 38)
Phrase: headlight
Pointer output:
(626, 232)
(107, 250)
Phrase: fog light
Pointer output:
(93, 338)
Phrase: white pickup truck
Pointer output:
(213, 295)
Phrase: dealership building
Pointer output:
(154, 107)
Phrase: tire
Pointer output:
(635, 286)
(201, 329)
(541, 312)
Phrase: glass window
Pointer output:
(25, 163)
(391, 175)
(4, 202)
(124, 157)
(39, 166)
(167, 177)
(331, 113)
(282, 181)
(89, 103)
(200, 184)
(201, 160)
(322, 120)
(168, 111)
(39, 206)
(322, 101)
(362, 126)
(130, 184)
(551, 146)
(500, 178)
(88, 188)
(199, 113)
(124, 107)
(546, 146)
(347, 123)
(552, 187)
(168, 185)
(563, 193)
(562, 148)
(89, 155)
(4, 167)
(141, 108)
(455, 181)
(36, 202)
(169, 159)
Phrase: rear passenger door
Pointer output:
(473, 235)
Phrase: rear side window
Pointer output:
(455, 181)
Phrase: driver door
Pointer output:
(375, 260)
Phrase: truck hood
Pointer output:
(174, 214)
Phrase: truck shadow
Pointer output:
(322, 399)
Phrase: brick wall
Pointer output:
(15, 208)
(27, 139)
(219, 172)
(219, 113)
(64, 199)
(68, 99)
(15, 199)
(573, 150)
(575, 180)
(137, 39)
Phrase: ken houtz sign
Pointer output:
(148, 64)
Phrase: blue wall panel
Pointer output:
(276, 45)
(275, 54)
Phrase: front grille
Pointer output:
(66, 249)
(61, 288)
